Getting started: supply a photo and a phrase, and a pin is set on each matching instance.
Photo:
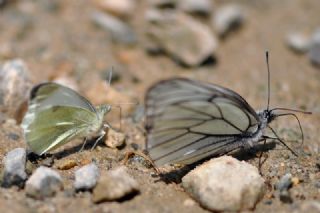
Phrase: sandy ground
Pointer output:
(59, 39)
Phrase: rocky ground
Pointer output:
(78, 42)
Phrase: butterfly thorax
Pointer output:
(97, 127)
(253, 138)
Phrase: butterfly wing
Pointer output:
(56, 114)
(190, 120)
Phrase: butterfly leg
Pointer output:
(83, 144)
(100, 137)
(260, 157)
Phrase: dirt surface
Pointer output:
(57, 39)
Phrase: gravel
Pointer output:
(114, 185)
(283, 186)
(314, 53)
(15, 168)
(178, 35)
(86, 177)
(15, 86)
(298, 42)
(120, 8)
(225, 184)
(228, 18)
(201, 7)
(115, 139)
(44, 182)
(119, 30)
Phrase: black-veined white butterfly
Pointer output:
(187, 121)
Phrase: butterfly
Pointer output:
(57, 114)
(188, 120)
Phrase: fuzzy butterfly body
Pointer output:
(190, 120)
(56, 115)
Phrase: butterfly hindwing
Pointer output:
(189, 120)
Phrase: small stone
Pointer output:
(314, 52)
(66, 164)
(4, 3)
(15, 168)
(85, 161)
(189, 203)
(295, 181)
(154, 15)
(86, 177)
(13, 136)
(15, 86)
(119, 30)
(298, 42)
(178, 35)
(225, 184)
(284, 183)
(115, 139)
(48, 162)
(285, 196)
(139, 161)
(228, 18)
(114, 185)
(268, 202)
(201, 7)
(120, 8)
(44, 182)
(163, 3)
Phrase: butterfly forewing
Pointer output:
(45, 94)
(188, 121)
(56, 114)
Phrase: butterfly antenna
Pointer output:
(267, 61)
(294, 115)
(110, 76)
(281, 141)
(300, 127)
(120, 120)
(292, 110)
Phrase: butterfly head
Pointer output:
(266, 116)
(269, 115)
(102, 110)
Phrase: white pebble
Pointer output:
(227, 18)
(119, 30)
(225, 184)
(86, 177)
(15, 168)
(44, 182)
(314, 53)
(15, 85)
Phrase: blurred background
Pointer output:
(78, 42)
